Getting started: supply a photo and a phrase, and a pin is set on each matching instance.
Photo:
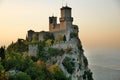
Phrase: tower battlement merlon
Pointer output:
(66, 14)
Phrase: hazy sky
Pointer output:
(98, 20)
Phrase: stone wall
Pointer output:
(63, 45)
(32, 50)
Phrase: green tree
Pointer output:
(73, 35)
(85, 61)
(64, 38)
(20, 76)
(3, 75)
(42, 52)
(68, 64)
(24, 63)
(57, 73)
(48, 42)
(20, 46)
(12, 59)
(53, 51)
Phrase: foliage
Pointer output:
(42, 52)
(25, 63)
(48, 36)
(11, 60)
(73, 35)
(2, 53)
(20, 76)
(53, 51)
(34, 58)
(30, 68)
(85, 61)
(88, 75)
(20, 46)
(64, 38)
(80, 47)
(3, 75)
(48, 42)
(57, 73)
(68, 64)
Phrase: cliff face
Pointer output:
(72, 61)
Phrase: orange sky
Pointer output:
(98, 20)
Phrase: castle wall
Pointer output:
(64, 45)
(53, 28)
(32, 50)
(57, 33)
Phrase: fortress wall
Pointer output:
(56, 34)
(33, 48)
(64, 45)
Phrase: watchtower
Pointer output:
(52, 23)
(66, 19)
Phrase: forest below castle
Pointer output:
(16, 64)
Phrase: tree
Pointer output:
(85, 61)
(3, 75)
(20, 46)
(73, 35)
(48, 42)
(52, 42)
(12, 59)
(41, 52)
(48, 36)
(24, 63)
(68, 64)
(20, 76)
(57, 73)
(53, 51)
(2, 53)
(64, 38)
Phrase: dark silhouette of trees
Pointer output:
(2, 53)
(64, 38)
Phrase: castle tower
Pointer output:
(52, 23)
(65, 16)
(66, 20)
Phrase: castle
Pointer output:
(64, 28)
(72, 47)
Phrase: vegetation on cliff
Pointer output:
(15, 64)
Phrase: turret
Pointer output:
(30, 35)
(66, 21)
(52, 23)
(66, 14)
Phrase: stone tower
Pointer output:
(66, 20)
(52, 23)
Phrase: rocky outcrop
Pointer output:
(73, 62)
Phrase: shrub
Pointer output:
(68, 64)
(73, 35)
(20, 76)
(53, 51)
